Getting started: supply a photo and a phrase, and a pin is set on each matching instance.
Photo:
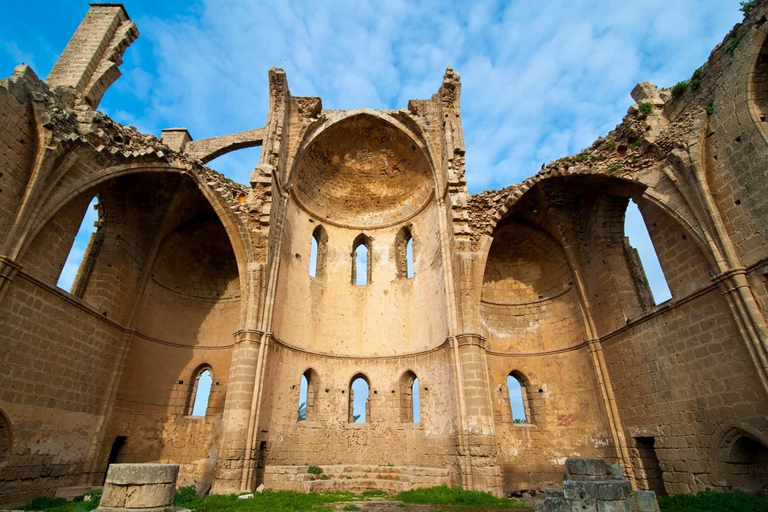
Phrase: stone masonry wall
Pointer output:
(680, 375)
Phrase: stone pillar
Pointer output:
(176, 138)
(145, 487)
(237, 412)
(481, 448)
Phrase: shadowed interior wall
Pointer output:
(187, 317)
(533, 321)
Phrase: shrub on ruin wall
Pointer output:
(679, 89)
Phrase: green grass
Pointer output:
(444, 495)
(710, 501)
(62, 505)
(351, 507)
(315, 470)
(277, 501)
(374, 494)
(186, 498)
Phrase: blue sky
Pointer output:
(540, 80)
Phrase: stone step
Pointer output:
(355, 478)
(360, 485)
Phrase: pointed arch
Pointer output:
(739, 458)
(362, 260)
(237, 233)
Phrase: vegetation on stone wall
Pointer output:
(646, 108)
(679, 89)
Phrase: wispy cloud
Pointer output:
(539, 80)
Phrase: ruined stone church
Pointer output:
(357, 253)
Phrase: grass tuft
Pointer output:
(315, 470)
(186, 498)
(272, 501)
(646, 108)
(374, 494)
(444, 495)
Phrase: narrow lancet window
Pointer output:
(361, 261)
(404, 253)
(308, 395)
(518, 398)
(202, 392)
(359, 412)
(409, 258)
(410, 406)
(416, 404)
(317, 250)
(313, 257)
(303, 388)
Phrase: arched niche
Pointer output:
(528, 300)
(739, 459)
(363, 171)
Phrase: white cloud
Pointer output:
(539, 80)
(18, 55)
